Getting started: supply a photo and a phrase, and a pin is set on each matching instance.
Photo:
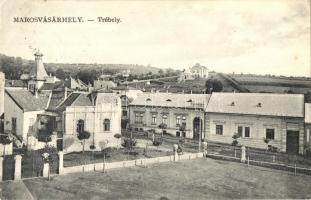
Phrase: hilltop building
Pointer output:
(197, 71)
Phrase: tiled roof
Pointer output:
(257, 104)
(75, 99)
(15, 83)
(83, 100)
(68, 102)
(69, 83)
(172, 100)
(28, 101)
(106, 98)
(124, 87)
(56, 98)
(52, 86)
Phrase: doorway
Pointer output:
(292, 142)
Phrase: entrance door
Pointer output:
(197, 128)
(292, 142)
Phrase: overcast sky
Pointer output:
(262, 37)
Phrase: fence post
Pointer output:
(243, 154)
(46, 169)
(18, 167)
(247, 161)
(1, 169)
(60, 162)
(273, 158)
(175, 147)
(295, 169)
(204, 148)
(234, 153)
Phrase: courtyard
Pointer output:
(195, 179)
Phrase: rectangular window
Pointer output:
(270, 133)
(139, 117)
(219, 129)
(247, 132)
(124, 113)
(31, 123)
(14, 124)
(107, 125)
(154, 119)
(178, 120)
(164, 119)
(240, 131)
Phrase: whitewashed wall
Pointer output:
(93, 117)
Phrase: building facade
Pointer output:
(99, 114)
(308, 126)
(181, 115)
(278, 118)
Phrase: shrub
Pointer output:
(157, 142)
(92, 147)
(83, 136)
(234, 143)
(118, 136)
(107, 151)
(129, 143)
(163, 126)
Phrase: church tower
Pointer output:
(38, 75)
(40, 70)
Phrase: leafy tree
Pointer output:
(46, 129)
(5, 140)
(87, 76)
(213, 85)
(60, 74)
(235, 138)
(84, 135)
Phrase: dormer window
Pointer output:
(190, 100)
(259, 105)
(232, 104)
(168, 100)
(148, 99)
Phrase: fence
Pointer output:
(271, 161)
(131, 163)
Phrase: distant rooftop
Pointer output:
(27, 101)
(172, 100)
(291, 105)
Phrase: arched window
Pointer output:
(107, 125)
(80, 126)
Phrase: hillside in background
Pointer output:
(13, 67)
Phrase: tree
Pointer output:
(235, 138)
(83, 135)
(46, 128)
(60, 74)
(5, 140)
(161, 72)
(213, 85)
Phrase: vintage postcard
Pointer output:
(163, 100)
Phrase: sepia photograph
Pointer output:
(163, 100)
